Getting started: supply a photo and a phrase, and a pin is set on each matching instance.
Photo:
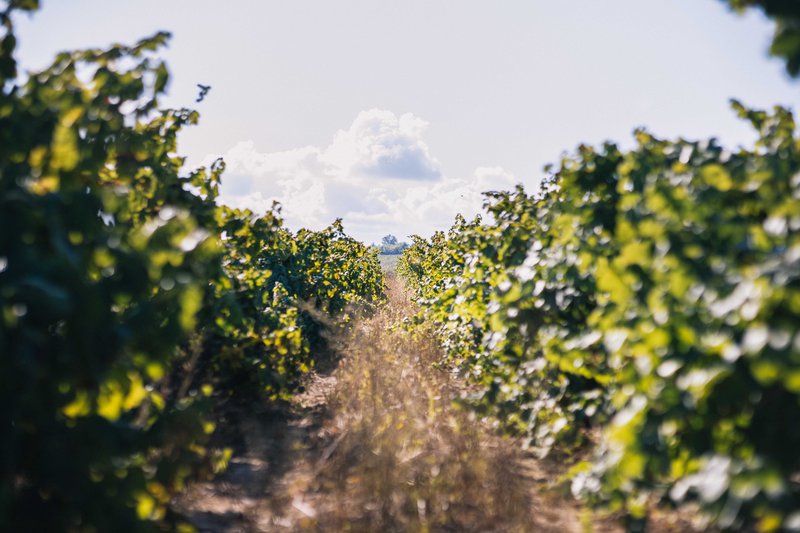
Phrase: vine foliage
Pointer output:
(131, 302)
(653, 294)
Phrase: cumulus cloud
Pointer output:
(378, 175)
(379, 144)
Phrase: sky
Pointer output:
(396, 115)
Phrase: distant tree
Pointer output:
(391, 246)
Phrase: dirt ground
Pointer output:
(376, 443)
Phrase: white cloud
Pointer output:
(379, 144)
(378, 175)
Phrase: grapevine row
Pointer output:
(653, 295)
(131, 301)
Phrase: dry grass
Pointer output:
(405, 459)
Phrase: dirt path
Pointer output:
(376, 444)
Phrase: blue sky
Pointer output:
(394, 115)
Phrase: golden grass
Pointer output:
(405, 459)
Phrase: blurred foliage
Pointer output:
(700, 310)
(655, 294)
(129, 300)
(786, 41)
